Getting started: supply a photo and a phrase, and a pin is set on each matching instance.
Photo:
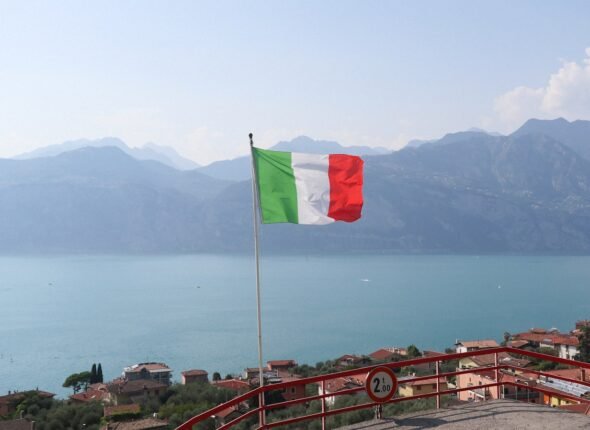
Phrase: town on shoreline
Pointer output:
(146, 397)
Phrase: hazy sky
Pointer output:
(199, 76)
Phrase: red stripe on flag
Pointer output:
(346, 187)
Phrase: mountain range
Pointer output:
(468, 192)
(150, 151)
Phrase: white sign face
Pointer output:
(381, 384)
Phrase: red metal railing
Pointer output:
(325, 412)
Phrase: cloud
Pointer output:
(567, 94)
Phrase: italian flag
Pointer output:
(308, 188)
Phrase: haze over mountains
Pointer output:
(467, 192)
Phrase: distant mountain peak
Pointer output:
(150, 151)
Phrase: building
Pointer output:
(194, 376)
(158, 372)
(281, 365)
(336, 385)
(349, 360)
(229, 414)
(98, 392)
(134, 391)
(479, 378)
(413, 388)
(424, 367)
(565, 344)
(388, 354)
(487, 360)
(9, 402)
(474, 345)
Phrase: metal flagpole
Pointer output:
(256, 252)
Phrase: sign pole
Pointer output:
(256, 253)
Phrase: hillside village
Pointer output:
(145, 397)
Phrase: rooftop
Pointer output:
(194, 372)
(493, 414)
(150, 367)
(484, 343)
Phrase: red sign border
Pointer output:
(368, 384)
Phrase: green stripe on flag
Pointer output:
(276, 186)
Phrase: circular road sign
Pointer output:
(381, 384)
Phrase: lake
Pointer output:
(58, 315)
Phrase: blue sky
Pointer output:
(199, 76)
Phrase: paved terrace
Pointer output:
(493, 414)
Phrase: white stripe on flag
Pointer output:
(313, 187)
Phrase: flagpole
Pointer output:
(257, 258)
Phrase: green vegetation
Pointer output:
(77, 381)
(50, 414)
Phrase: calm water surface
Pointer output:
(59, 315)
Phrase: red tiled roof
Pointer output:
(227, 411)
(549, 338)
(282, 363)
(381, 354)
(150, 367)
(232, 384)
(125, 386)
(194, 372)
(484, 343)
(517, 343)
(91, 395)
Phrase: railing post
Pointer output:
(262, 413)
(323, 405)
(437, 365)
(497, 372)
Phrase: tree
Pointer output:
(99, 377)
(93, 374)
(77, 381)
(584, 346)
(413, 351)
(216, 376)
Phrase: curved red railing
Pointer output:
(322, 379)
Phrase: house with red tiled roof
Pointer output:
(474, 345)
(490, 360)
(136, 391)
(383, 355)
(348, 360)
(158, 372)
(229, 414)
(427, 366)
(278, 365)
(336, 385)
(19, 424)
(194, 376)
(565, 344)
(408, 388)
(98, 392)
(517, 343)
